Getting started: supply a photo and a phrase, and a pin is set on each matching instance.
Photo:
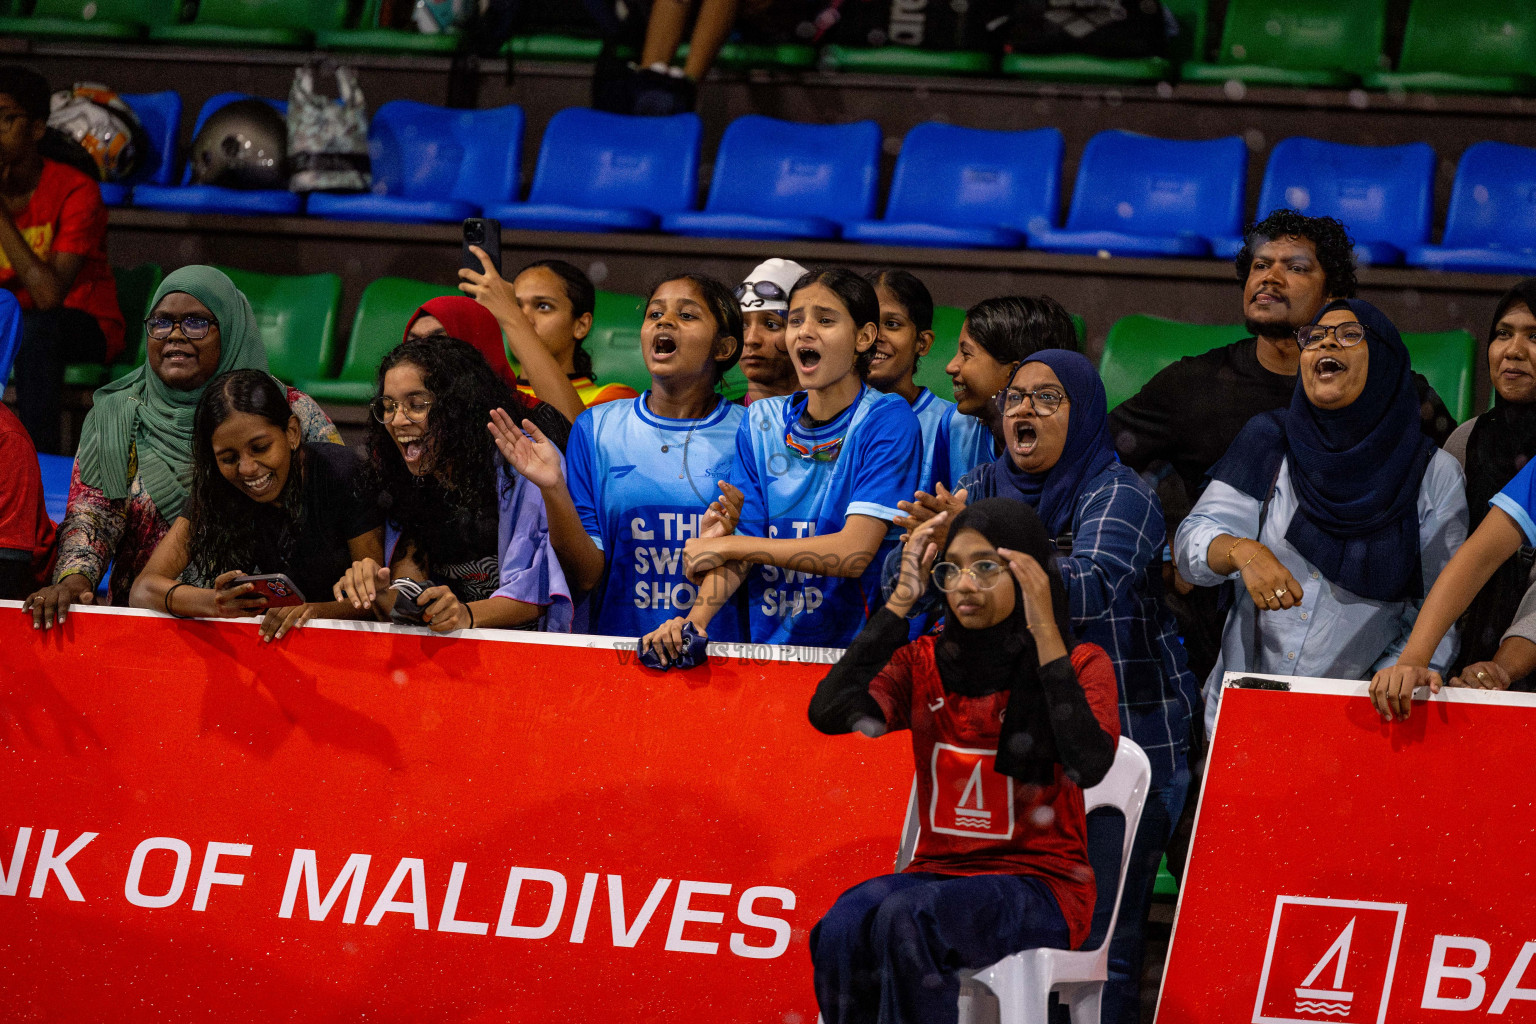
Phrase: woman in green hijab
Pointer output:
(134, 464)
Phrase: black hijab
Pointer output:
(1356, 470)
(1503, 439)
(979, 662)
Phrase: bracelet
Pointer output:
(471, 609)
(167, 602)
(1233, 548)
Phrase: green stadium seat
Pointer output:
(614, 341)
(78, 19)
(1083, 67)
(1138, 346)
(255, 23)
(742, 56)
(370, 36)
(553, 46)
(1448, 360)
(297, 315)
(135, 287)
(1486, 46)
(947, 321)
(1296, 43)
(905, 60)
(385, 306)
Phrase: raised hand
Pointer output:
(527, 450)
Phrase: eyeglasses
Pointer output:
(1045, 401)
(194, 327)
(1349, 334)
(986, 573)
(415, 408)
(766, 290)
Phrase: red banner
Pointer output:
(1356, 872)
(363, 822)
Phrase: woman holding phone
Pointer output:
(263, 501)
(462, 524)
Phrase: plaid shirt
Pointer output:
(1115, 589)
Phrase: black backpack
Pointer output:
(1103, 28)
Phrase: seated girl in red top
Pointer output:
(1010, 720)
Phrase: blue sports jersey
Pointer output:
(970, 445)
(789, 494)
(642, 483)
(1518, 498)
(934, 417)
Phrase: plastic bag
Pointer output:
(327, 141)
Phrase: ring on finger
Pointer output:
(1281, 592)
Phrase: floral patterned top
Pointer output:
(99, 531)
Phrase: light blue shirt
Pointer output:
(934, 416)
(970, 445)
(1332, 634)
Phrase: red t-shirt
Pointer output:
(974, 821)
(66, 214)
(24, 522)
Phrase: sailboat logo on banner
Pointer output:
(1329, 960)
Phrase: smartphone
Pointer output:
(487, 235)
(276, 587)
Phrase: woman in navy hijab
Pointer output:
(1109, 527)
(1336, 514)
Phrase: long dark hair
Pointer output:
(722, 304)
(456, 501)
(225, 523)
(857, 294)
(582, 293)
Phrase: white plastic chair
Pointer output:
(1024, 981)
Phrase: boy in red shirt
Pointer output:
(26, 532)
(1010, 721)
(53, 256)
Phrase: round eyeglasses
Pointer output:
(415, 408)
(1044, 401)
(1349, 334)
(986, 574)
(194, 327)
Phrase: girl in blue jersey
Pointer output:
(906, 335)
(820, 472)
(639, 474)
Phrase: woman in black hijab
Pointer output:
(1010, 720)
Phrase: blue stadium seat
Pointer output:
(160, 114)
(190, 198)
(10, 332)
(781, 179)
(1383, 194)
(434, 164)
(1141, 196)
(57, 470)
(1491, 224)
(968, 188)
(609, 172)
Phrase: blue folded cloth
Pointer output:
(691, 656)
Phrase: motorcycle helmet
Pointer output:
(102, 124)
(243, 145)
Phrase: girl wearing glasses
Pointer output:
(639, 475)
(1336, 515)
(1489, 578)
(262, 501)
(458, 520)
(1011, 718)
(821, 472)
(134, 467)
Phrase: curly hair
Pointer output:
(1335, 249)
(857, 296)
(456, 501)
(226, 524)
